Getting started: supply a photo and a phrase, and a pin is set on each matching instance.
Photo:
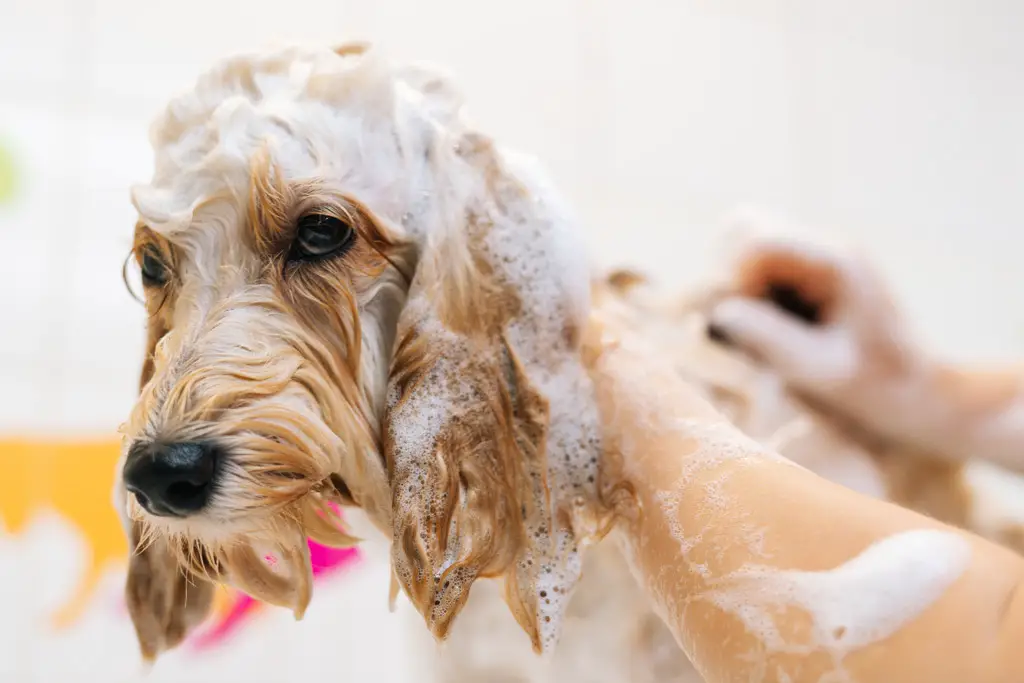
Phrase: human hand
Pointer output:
(823, 318)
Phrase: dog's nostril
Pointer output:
(142, 498)
(184, 492)
(171, 479)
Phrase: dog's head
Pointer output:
(353, 299)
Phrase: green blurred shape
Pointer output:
(8, 175)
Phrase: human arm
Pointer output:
(763, 571)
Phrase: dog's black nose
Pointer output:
(171, 480)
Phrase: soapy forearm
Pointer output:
(763, 571)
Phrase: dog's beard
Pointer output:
(278, 418)
(275, 494)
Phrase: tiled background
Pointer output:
(898, 122)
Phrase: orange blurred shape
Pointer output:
(75, 480)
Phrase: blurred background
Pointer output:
(894, 122)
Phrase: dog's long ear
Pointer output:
(491, 437)
(164, 599)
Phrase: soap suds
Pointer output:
(540, 255)
(718, 443)
(862, 601)
(530, 247)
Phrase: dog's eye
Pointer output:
(154, 272)
(320, 236)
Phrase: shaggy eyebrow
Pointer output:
(269, 209)
(146, 238)
(141, 237)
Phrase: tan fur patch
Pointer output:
(164, 601)
(352, 49)
(623, 280)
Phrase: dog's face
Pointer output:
(273, 252)
(354, 299)
(265, 375)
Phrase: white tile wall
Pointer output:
(898, 122)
